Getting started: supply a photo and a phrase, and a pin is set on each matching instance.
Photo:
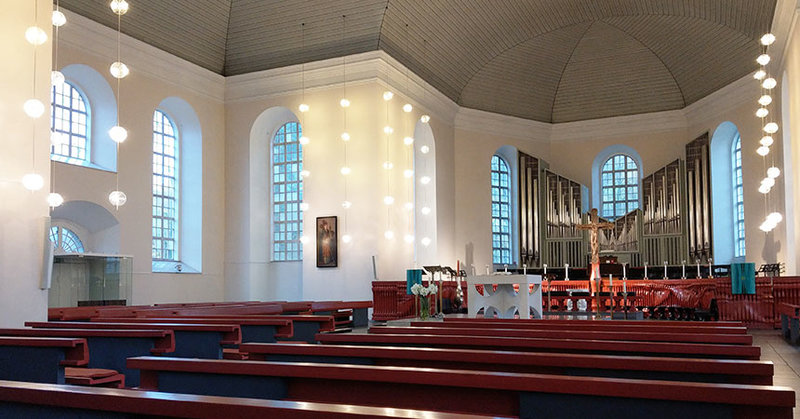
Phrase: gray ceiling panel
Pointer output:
(546, 60)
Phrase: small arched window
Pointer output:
(69, 120)
(619, 177)
(738, 197)
(165, 188)
(65, 240)
(287, 193)
(501, 211)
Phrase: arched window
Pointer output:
(165, 188)
(501, 211)
(69, 118)
(287, 193)
(619, 177)
(738, 197)
(65, 240)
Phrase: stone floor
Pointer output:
(785, 357)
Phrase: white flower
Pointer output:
(432, 288)
(415, 289)
(424, 291)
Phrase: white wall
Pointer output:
(155, 76)
(23, 214)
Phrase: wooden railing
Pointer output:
(759, 309)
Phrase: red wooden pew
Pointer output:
(653, 368)
(40, 359)
(191, 340)
(34, 401)
(603, 347)
(463, 391)
(570, 334)
(641, 326)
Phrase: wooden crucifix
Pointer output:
(594, 226)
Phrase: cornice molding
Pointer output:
(93, 38)
(475, 120)
(371, 66)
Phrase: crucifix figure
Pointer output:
(594, 226)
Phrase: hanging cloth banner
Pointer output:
(743, 278)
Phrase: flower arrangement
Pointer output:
(424, 306)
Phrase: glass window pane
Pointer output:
(287, 185)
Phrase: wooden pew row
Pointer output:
(191, 340)
(462, 391)
(569, 334)
(642, 326)
(790, 322)
(41, 360)
(108, 349)
(651, 368)
(253, 329)
(357, 311)
(305, 327)
(600, 347)
(674, 323)
(45, 401)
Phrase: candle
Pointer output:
(624, 286)
(665, 270)
(487, 269)
(505, 269)
(645, 270)
(698, 268)
(624, 272)
(683, 269)
(610, 282)
(566, 272)
(710, 271)
(524, 268)
(545, 269)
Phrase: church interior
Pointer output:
(187, 186)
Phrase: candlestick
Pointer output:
(566, 272)
(487, 269)
(505, 269)
(665, 270)
(683, 270)
(545, 269)
(610, 282)
(645, 270)
(710, 271)
(698, 268)
(624, 285)
(524, 269)
(624, 271)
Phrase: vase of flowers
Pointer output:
(424, 303)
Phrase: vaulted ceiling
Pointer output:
(545, 60)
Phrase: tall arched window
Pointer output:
(65, 240)
(501, 211)
(619, 177)
(287, 193)
(738, 197)
(69, 118)
(165, 188)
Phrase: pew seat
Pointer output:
(95, 377)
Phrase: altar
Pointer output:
(505, 301)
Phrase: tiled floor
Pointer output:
(785, 357)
